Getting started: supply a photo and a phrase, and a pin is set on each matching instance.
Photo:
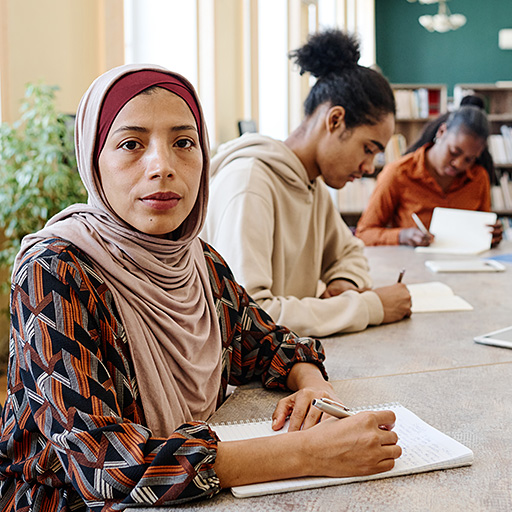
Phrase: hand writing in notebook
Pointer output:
(310, 384)
(310, 447)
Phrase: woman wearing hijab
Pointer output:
(126, 330)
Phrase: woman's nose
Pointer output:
(459, 162)
(160, 162)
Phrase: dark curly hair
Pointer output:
(331, 56)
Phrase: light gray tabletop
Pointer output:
(426, 341)
(472, 405)
(429, 364)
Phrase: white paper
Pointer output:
(435, 296)
(460, 231)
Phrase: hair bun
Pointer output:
(331, 51)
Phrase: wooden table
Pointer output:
(431, 365)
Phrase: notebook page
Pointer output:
(460, 231)
(435, 296)
(424, 448)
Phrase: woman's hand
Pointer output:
(358, 445)
(309, 383)
(414, 237)
(497, 233)
(298, 407)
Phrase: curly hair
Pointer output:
(331, 56)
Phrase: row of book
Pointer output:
(501, 194)
(500, 146)
(420, 103)
(354, 196)
(395, 148)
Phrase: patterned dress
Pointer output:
(73, 433)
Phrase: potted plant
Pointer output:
(38, 172)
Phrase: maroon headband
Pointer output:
(127, 87)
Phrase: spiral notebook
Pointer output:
(424, 448)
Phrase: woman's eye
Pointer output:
(185, 143)
(130, 145)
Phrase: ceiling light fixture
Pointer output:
(443, 21)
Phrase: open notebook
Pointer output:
(424, 448)
(460, 231)
(435, 296)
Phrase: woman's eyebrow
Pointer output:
(141, 129)
(184, 127)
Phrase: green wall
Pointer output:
(408, 53)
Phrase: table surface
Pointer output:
(431, 365)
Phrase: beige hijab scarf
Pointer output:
(160, 287)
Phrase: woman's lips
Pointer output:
(161, 200)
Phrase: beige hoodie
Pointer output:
(281, 235)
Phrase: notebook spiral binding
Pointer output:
(379, 407)
(248, 420)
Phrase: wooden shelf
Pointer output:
(497, 99)
(417, 105)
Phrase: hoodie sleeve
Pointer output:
(241, 224)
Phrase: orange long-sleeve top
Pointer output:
(405, 187)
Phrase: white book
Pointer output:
(460, 231)
(505, 189)
(497, 198)
(435, 297)
(424, 448)
(496, 144)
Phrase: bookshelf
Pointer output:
(497, 98)
(416, 105)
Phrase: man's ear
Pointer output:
(335, 118)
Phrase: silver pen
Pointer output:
(331, 407)
(420, 225)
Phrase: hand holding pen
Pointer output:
(338, 410)
(419, 236)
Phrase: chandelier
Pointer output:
(443, 21)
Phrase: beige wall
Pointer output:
(62, 42)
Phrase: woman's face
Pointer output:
(454, 152)
(150, 167)
(345, 155)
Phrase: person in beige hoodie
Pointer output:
(270, 211)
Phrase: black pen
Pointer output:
(401, 275)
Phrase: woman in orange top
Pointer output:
(442, 173)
